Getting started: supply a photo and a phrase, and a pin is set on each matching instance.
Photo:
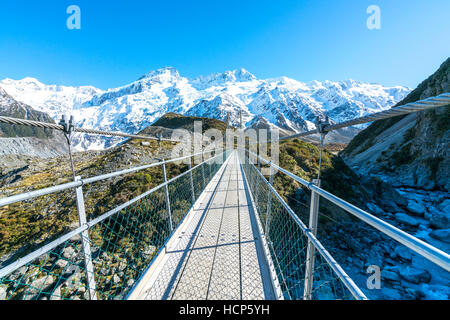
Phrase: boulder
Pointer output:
(442, 235)
(375, 209)
(406, 219)
(68, 252)
(445, 206)
(414, 275)
(439, 219)
(390, 276)
(37, 286)
(403, 252)
(416, 208)
(56, 294)
(61, 263)
(116, 279)
(2, 293)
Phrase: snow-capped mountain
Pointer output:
(283, 102)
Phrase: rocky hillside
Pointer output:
(16, 140)
(353, 243)
(409, 151)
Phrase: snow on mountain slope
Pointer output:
(283, 102)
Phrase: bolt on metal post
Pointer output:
(90, 276)
(310, 255)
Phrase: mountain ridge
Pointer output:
(283, 102)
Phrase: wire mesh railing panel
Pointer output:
(260, 192)
(199, 183)
(326, 284)
(124, 244)
(288, 245)
(57, 275)
(180, 194)
(105, 257)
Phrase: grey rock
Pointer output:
(389, 275)
(406, 219)
(416, 208)
(149, 251)
(37, 286)
(439, 219)
(2, 293)
(443, 235)
(414, 275)
(145, 144)
(413, 294)
(61, 263)
(68, 252)
(375, 209)
(116, 279)
(56, 294)
(403, 253)
(445, 206)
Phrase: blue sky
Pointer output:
(306, 40)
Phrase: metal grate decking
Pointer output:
(217, 251)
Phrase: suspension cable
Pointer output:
(53, 126)
(422, 105)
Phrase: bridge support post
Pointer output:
(192, 181)
(166, 191)
(310, 255)
(203, 170)
(256, 183)
(90, 276)
(269, 202)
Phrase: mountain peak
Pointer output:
(166, 72)
(242, 75)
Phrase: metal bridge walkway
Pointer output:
(216, 253)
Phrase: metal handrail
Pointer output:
(70, 185)
(346, 280)
(422, 248)
(46, 248)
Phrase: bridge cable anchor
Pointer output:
(68, 129)
(321, 124)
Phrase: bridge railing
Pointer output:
(291, 245)
(307, 257)
(103, 258)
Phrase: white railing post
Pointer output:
(90, 276)
(203, 170)
(310, 254)
(257, 180)
(166, 191)
(269, 201)
(192, 181)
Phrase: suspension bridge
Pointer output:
(219, 230)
